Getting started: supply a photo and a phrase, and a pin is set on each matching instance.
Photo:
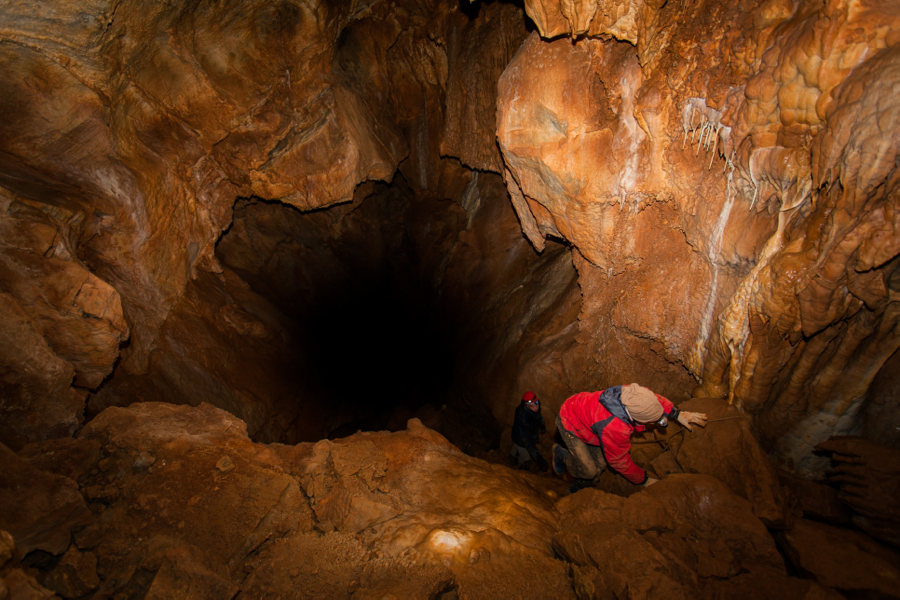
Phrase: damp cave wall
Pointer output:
(696, 197)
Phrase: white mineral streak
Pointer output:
(630, 175)
(734, 320)
(709, 122)
(471, 200)
(695, 360)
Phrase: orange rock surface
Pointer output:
(215, 219)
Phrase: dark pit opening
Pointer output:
(380, 353)
(363, 295)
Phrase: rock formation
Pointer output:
(735, 213)
(233, 235)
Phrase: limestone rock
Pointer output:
(842, 559)
(428, 480)
(868, 477)
(39, 382)
(392, 503)
(414, 499)
(19, 584)
(49, 294)
(74, 576)
(69, 457)
(479, 52)
(602, 141)
(761, 587)
(78, 314)
(674, 538)
(7, 548)
(184, 575)
(816, 501)
(230, 513)
(15, 582)
(225, 345)
(39, 509)
(728, 450)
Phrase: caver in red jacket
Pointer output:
(600, 419)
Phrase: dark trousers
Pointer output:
(583, 461)
(521, 454)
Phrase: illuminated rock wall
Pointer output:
(727, 177)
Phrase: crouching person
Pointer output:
(528, 425)
(597, 426)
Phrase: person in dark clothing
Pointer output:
(528, 424)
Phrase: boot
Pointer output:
(580, 484)
(559, 459)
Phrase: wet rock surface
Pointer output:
(217, 513)
(541, 185)
(728, 450)
(867, 476)
(39, 509)
(407, 514)
(688, 536)
(845, 560)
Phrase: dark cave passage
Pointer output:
(380, 354)
(377, 344)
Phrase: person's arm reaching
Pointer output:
(685, 418)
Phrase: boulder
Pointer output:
(846, 560)
(15, 583)
(19, 585)
(68, 457)
(673, 540)
(816, 501)
(413, 498)
(728, 450)
(868, 477)
(39, 509)
(373, 513)
(74, 576)
(183, 497)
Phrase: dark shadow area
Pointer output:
(377, 352)
(377, 347)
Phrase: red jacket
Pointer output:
(605, 423)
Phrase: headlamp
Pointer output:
(663, 421)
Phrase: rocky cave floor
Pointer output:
(170, 501)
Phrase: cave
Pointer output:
(278, 276)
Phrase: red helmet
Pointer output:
(529, 397)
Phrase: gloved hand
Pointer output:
(650, 481)
(686, 418)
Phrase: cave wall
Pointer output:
(707, 195)
(730, 192)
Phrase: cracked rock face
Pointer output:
(184, 501)
(752, 195)
(701, 198)
(369, 512)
